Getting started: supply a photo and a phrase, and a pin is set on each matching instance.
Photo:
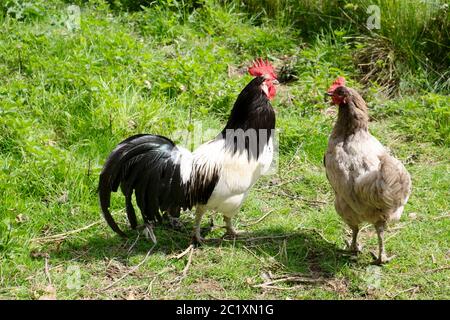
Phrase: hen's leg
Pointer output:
(199, 211)
(354, 246)
(382, 257)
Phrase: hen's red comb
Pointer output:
(262, 68)
(339, 82)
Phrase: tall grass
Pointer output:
(415, 34)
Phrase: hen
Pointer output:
(369, 184)
(216, 176)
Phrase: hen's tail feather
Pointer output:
(396, 180)
(386, 188)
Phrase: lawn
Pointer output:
(74, 85)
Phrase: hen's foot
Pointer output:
(382, 259)
(353, 248)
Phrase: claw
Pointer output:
(383, 259)
(197, 240)
(353, 248)
(148, 232)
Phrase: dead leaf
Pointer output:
(50, 143)
(147, 84)
(413, 215)
(49, 293)
(63, 198)
(21, 218)
(132, 124)
(131, 296)
(39, 254)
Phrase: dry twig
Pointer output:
(252, 223)
(62, 236)
(47, 272)
(181, 255)
(132, 269)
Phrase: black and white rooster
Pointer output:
(216, 176)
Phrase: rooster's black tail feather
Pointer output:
(149, 166)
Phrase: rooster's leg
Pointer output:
(229, 226)
(197, 237)
(231, 232)
(382, 257)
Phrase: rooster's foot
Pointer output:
(147, 231)
(197, 239)
(233, 234)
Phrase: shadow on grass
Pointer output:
(303, 251)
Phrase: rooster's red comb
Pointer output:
(262, 68)
(339, 82)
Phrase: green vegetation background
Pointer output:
(68, 95)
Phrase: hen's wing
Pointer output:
(387, 187)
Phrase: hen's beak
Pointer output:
(326, 95)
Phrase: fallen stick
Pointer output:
(150, 286)
(132, 246)
(320, 234)
(290, 279)
(243, 239)
(62, 236)
(414, 289)
(132, 269)
(47, 271)
(280, 288)
(248, 224)
(437, 269)
(177, 281)
(181, 255)
(295, 197)
(188, 264)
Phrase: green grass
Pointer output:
(412, 42)
(68, 97)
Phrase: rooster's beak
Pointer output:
(326, 95)
(275, 82)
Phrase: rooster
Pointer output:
(166, 178)
(370, 185)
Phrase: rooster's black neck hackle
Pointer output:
(251, 122)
